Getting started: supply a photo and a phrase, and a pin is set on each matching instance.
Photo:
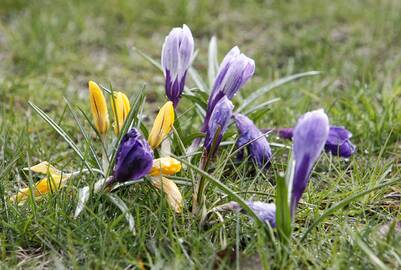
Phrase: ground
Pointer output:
(50, 49)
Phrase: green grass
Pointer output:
(50, 49)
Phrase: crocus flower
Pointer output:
(162, 125)
(234, 71)
(310, 135)
(218, 124)
(98, 108)
(259, 148)
(134, 158)
(176, 57)
(165, 166)
(121, 108)
(338, 142)
(54, 181)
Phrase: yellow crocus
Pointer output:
(121, 108)
(166, 166)
(173, 194)
(98, 108)
(55, 180)
(162, 126)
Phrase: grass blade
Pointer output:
(62, 133)
(117, 201)
(213, 63)
(265, 89)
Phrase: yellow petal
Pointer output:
(121, 108)
(44, 168)
(166, 166)
(41, 188)
(162, 126)
(173, 194)
(98, 108)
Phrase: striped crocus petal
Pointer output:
(218, 124)
(234, 71)
(134, 158)
(177, 52)
(258, 147)
(310, 135)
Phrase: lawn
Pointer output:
(49, 50)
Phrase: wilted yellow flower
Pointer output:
(98, 108)
(173, 194)
(166, 166)
(162, 126)
(55, 180)
(121, 108)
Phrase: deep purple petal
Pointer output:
(134, 157)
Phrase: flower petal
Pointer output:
(98, 108)
(166, 166)
(173, 194)
(162, 125)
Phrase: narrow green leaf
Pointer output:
(117, 201)
(213, 63)
(265, 89)
(283, 213)
(62, 133)
(148, 58)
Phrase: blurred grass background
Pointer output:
(50, 49)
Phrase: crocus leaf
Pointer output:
(268, 87)
(283, 213)
(117, 201)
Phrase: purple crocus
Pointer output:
(218, 124)
(310, 135)
(258, 147)
(265, 211)
(338, 142)
(134, 158)
(177, 52)
(234, 71)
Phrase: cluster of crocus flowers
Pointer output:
(177, 53)
(309, 138)
(338, 141)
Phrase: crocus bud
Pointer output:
(338, 142)
(121, 108)
(258, 147)
(134, 157)
(98, 108)
(234, 71)
(177, 52)
(166, 166)
(218, 124)
(310, 135)
(162, 125)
